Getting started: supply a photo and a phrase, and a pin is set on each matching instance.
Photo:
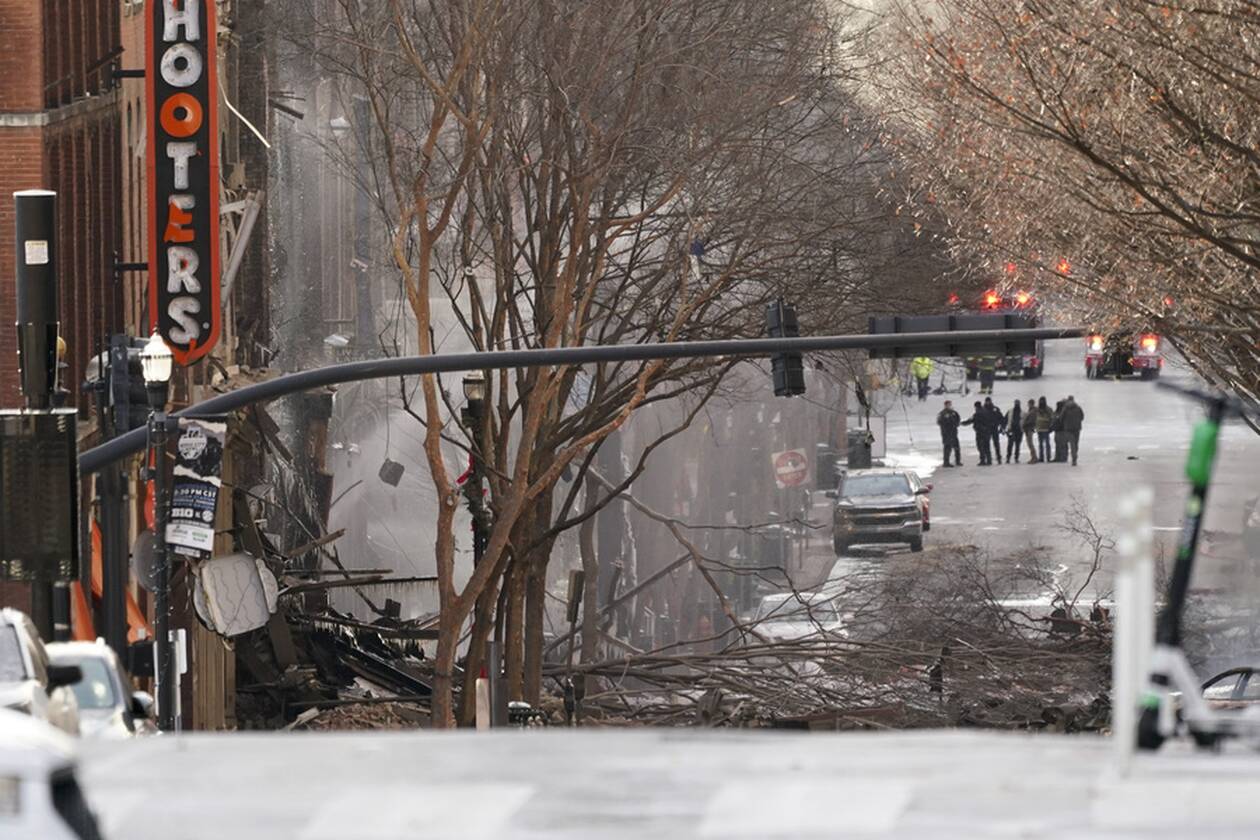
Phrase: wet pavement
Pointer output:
(1135, 434)
(661, 784)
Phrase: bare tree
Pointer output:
(1105, 151)
(555, 173)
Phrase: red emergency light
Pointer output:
(992, 300)
(1096, 343)
(1150, 342)
(1022, 298)
(952, 300)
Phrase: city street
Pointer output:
(502, 419)
(659, 784)
(1135, 434)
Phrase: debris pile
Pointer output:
(919, 645)
(376, 716)
(328, 671)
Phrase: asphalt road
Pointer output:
(660, 784)
(1135, 434)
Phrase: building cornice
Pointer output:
(40, 119)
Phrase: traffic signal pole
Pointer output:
(38, 324)
(132, 442)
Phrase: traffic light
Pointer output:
(787, 369)
(116, 379)
(127, 394)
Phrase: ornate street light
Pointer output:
(475, 386)
(157, 363)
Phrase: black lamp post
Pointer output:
(156, 362)
(475, 394)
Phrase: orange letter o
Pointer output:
(191, 121)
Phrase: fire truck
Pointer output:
(1123, 354)
(1029, 365)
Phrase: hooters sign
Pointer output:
(183, 162)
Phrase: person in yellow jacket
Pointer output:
(921, 367)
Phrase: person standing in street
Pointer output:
(1056, 429)
(1014, 432)
(949, 420)
(980, 421)
(987, 367)
(1073, 419)
(1029, 425)
(997, 422)
(921, 367)
(1043, 418)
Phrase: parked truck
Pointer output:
(1123, 353)
(1027, 365)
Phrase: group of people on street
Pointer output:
(1052, 435)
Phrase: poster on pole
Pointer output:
(195, 485)
(791, 468)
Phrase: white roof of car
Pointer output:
(8, 615)
(29, 745)
(94, 650)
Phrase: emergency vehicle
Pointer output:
(1123, 354)
(1019, 302)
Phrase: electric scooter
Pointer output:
(1173, 703)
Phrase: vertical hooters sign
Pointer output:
(183, 163)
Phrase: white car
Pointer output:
(788, 616)
(39, 793)
(108, 707)
(29, 682)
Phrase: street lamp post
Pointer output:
(157, 362)
(475, 394)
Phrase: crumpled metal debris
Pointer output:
(234, 593)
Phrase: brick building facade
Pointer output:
(59, 130)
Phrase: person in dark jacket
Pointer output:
(949, 421)
(1056, 429)
(997, 422)
(981, 421)
(1014, 431)
(1072, 420)
(986, 369)
(1030, 430)
(1043, 418)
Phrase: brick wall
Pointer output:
(22, 41)
(21, 168)
(59, 131)
(21, 46)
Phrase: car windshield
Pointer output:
(96, 689)
(876, 485)
(12, 668)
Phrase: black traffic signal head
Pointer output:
(787, 370)
(127, 394)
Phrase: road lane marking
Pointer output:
(804, 807)
(401, 812)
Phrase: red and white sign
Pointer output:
(791, 469)
(183, 168)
